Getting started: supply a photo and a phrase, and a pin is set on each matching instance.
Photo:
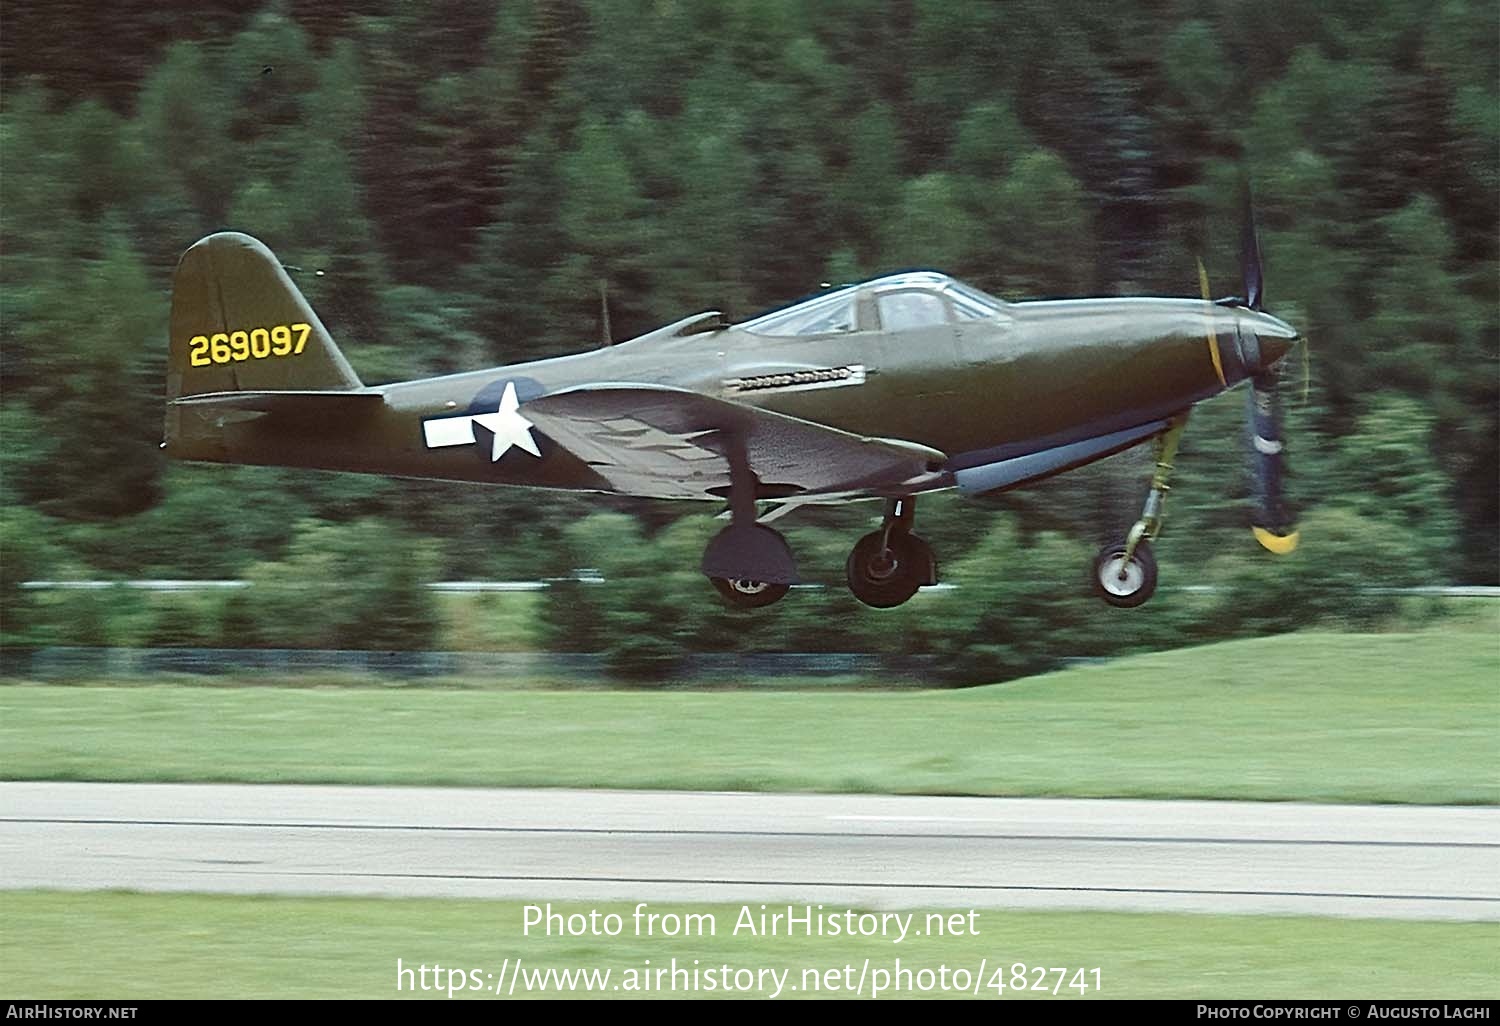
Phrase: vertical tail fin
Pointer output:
(239, 324)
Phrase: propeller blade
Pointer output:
(1213, 336)
(1250, 266)
(607, 335)
(1271, 523)
(1306, 369)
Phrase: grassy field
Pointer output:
(191, 946)
(1369, 718)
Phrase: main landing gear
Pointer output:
(888, 565)
(1125, 572)
(749, 564)
(744, 593)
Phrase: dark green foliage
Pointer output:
(644, 615)
(29, 554)
(356, 585)
(87, 362)
(238, 627)
(468, 176)
(185, 621)
(1335, 584)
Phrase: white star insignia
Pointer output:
(508, 426)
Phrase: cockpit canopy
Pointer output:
(897, 302)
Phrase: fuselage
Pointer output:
(1024, 378)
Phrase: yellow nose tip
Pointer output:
(1280, 544)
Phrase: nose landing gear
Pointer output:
(1124, 573)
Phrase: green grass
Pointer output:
(1367, 718)
(122, 946)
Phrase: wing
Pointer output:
(672, 443)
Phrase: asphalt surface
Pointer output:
(848, 850)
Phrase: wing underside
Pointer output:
(672, 443)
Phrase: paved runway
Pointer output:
(846, 850)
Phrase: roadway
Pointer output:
(841, 850)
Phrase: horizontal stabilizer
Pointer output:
(301, 405)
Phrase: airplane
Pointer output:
(882, 390)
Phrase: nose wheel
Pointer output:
(1124, 578)
(1125, 572)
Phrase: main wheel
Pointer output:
(1123, 583)
(743, 594)
(885, 574)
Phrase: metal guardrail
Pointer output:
(66, 663)
(1483, 591)
(142, 585)
(1442, 591)
(485, 587)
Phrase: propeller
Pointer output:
(1271, 522)
(607, 335)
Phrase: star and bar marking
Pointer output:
(510, 429)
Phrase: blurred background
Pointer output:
(456, 181)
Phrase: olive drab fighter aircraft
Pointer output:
(882, 390)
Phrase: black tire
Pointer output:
(743, 594)
(1125, 585)
(887, 581)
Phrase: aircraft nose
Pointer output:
(1264, 339)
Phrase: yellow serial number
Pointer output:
(255, 344)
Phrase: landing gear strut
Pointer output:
(887, 566)
(1125, 572)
